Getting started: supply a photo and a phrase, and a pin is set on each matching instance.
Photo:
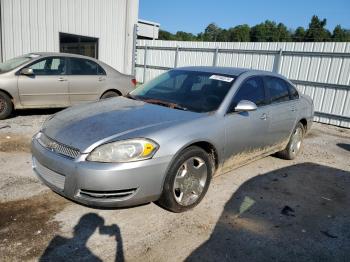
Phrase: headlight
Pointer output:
(124, 151)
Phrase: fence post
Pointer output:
(215, 58)
(277, 62)
(145, 64)
(134, 50)
(176, 56)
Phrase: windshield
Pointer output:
(188, 90)
(13, 63)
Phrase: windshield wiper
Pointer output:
(164, 103)
(131, 97)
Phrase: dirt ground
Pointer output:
(270, 210)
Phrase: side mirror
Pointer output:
(27, 71)
(245, 106)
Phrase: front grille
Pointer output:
(117, 194)
(57, 147)
(49, 176)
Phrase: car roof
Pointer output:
(44, 54)
(233, 71)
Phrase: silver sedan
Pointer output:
(46, 80)
(166, 140)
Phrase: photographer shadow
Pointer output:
(75, 248)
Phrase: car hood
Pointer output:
(90, 124)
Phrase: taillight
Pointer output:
(133, 81)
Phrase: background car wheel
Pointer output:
(187, 180)
(295, 143)
(109, 94)
(6, 105)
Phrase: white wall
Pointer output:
(34, 26)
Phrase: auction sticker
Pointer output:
(222, 78)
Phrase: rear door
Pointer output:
(282, 110)
(48, 87)
(246, 131)
(86, 80)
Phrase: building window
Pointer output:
(81, 45)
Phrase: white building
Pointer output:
(103, 29)
(147, 29)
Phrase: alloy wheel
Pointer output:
(190, 181)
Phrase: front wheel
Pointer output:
(187, 180)
(109, 94)
(6, 105)
(294, 145)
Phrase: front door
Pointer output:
(47, 87)
(245, 132)
(86, 80)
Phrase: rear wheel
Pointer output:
(294, 145)
(187, 181)
(109, 94)
(6, 105)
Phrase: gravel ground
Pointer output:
(271, 209)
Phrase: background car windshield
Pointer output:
(13, 63)
(195, 91)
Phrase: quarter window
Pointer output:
(278, 90)
(251, 90)
(50, 66)
(80, 66)
(293, 92)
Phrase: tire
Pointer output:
(180, 185)
(109, 94)
(294, 145)
(6, 106)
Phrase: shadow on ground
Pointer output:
(75, 248)
(344, 146)
(31, 112)
(298, 213)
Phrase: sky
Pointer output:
(194, 15)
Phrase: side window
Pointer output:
(79, 66)
(293, 92)
(50, 66)
(278, 90)
(252, 90)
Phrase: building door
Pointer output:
(80, 45)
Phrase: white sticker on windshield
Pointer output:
(222, 78)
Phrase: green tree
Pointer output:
(258, 33)
(299, 34)
(211, 33)
(317, 31)
(240, 33)
(183, 36)
(340, 34)
(165, 35)
(283, 33)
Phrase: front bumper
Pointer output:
(100, 184)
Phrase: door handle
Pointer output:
(61, 79)
(293, 109)
(263, 116)
(101, 79)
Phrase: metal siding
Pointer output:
(34, 26)
(311, 67)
